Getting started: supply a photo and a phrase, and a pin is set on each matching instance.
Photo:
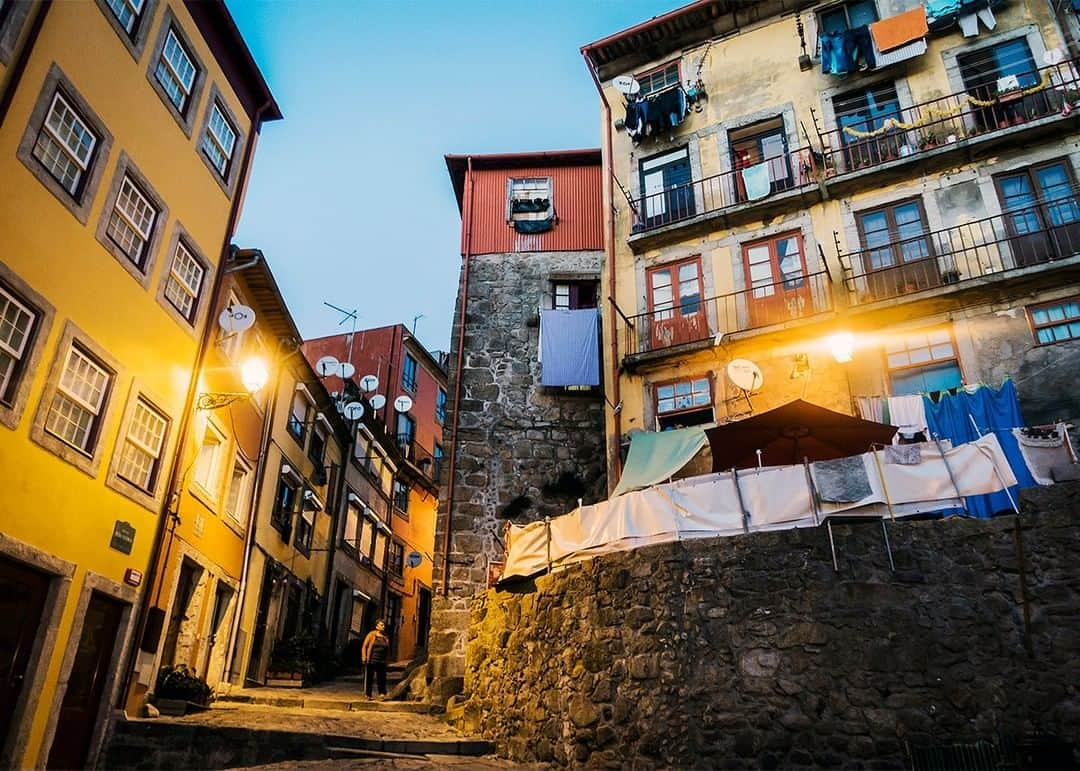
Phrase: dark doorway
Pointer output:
(262, 616)
(185, 587)
(22, 603)
(85, 694)
(222, 596)
(424, 612)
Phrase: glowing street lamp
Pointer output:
(842, 346)
(253, 374)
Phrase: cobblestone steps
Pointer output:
(301, 701)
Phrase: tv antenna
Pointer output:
(346, 315)
(415, 319)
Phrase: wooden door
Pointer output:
(666, 184)
(898, 256)
(676, 308)
(776, 280)
(22, 602)
(85, 696)
(1028, 236)
(185, 588)
(262, 623)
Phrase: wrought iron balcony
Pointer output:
(954, 120)
(1041, 233)
(695, 320)
(721, 192)
(418, 456)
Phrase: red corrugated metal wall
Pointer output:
(577, 196)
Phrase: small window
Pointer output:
(65, 145)
(140, 457)
(352, 524)
(366, 547)
(185, 282)
(408, 374)
(866, 110)
(317, 448)
(298, 417)
(401, 496)
(397, 558)
(288, 493)
(406, 434)
(684, 403)
(127, 13)
(440, 405)
(237, 498)
(131, 222)
(573, 295)
(924, 362)
(176, 72)
(17, 329)
(219, 140)
(1056, 322)
(379, 556)
(849, 15)
(529, 206)
(75, 414)
(207, 468)
(305, 524)
(659, 79)
(437, 465)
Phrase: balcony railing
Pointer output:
(720, 192)
(970, 114)
(418, 456)
(1043, 232)
(693, 321)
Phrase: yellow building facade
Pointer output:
(125, 140)
(917, 209)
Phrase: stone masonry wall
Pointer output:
(752, 652)
(523, 451)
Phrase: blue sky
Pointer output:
(349, 196)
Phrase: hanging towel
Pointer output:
(908, 414)
(569, 347)
(870, 408)
(843, 480)
(898, 30)
(756, 180)
(655, 455)
(986, 16)
(901, 54)
(904, 454)
(1044, 453)
(969, 25)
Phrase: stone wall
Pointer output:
(752, 652)
(523, 451)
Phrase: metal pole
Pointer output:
(888, 549)
(813, 491)
(952, 477)
(884, 487)
(742, 506)
(832, 545)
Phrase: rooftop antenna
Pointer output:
(416, 318)
(346, 316)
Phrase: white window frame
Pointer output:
(175, 279)
(217, 141)
(355, 516)
(18, 353)
(526, 189)
(72, 154)
(134, 7)
(154, 451)
(238, 505)
(163, 59)
(126, 218)
(211, 481)
(64, 392)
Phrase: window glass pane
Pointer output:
(682, 388)
(1040, 316)
(899, 359)
(1045, 336)
(665, 391)
(942, 351)
(1056, 312)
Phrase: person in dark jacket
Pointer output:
(374, 652)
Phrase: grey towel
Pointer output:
(903, 454)
(842, 480)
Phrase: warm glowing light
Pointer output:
(254, 374)
(842, 346)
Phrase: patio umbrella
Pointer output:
(791, 432)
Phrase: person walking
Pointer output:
(374, 652)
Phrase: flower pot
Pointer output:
(171, 707)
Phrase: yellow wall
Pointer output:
(48, 503)
(417, 533)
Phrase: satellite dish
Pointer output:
(414, 559)
(745, 375)
(354, 411)
(369, 383)
(326, 366)
(236, 318)
(626, 84)
(403, 403)
(347, 370)
(378, 401)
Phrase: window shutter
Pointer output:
(509, 193)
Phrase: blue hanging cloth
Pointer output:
(997, 411)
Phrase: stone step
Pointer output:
(299, 701)
(410, 747)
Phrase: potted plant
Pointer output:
(927, 140)
(292, 662)
(179, 687)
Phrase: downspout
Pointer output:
(156, 556)
(615, 450)
(19, 67)
(1066, 33)
(457, 376)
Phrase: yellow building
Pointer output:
(409, 562)
(917, 205)
(126, 135)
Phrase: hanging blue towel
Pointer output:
(570, 347)
(756, 180)
(997, 411)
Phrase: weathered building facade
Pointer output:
(520, 450)
(920, 204)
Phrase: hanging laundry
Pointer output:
(756, 181)
(901, 54)
(843, 480)
(904, 454)
(870, 408)
(656, 455)
(899, 30)
(908, 414)
(1045, 450)
(986, 16)
(847, 51)
(569, 347)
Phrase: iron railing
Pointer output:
(1042, 232)
(791, 171)
(421, 458)
(978, 111)
(692, 321)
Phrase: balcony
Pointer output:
(695, 324)
(722, 197)
(939, 127)
(419, 457)
(1022, 241)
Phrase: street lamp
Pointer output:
(253, 375)
(842, 346)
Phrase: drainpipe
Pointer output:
(457, 377)
(1066, 33)
(156, 557)
(615, 451)
(19, 67)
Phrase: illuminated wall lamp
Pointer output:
(253, 376)
(842, 346)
